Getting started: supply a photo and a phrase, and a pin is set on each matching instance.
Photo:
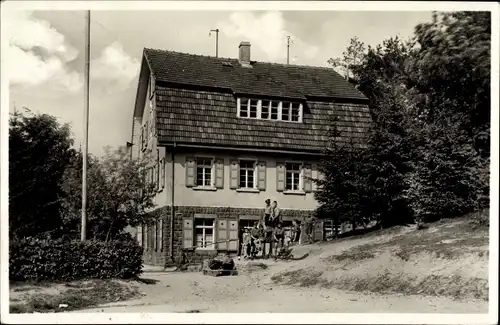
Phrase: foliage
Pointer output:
(428, 154)
(39, 151)
(350, 57)
(32, 258)
(118, 194)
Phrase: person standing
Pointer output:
(275, 214)
(267, 212)
(296, 230)
(279, 238)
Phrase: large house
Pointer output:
(226, 135)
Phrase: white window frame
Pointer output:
(255, 174)
(300, 187)
(260, 106)
(203, 229)
(212, 171)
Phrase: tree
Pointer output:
(351, 57)
(342, 188)
(39, 151)
(119, 195)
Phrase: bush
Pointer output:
(32, 258)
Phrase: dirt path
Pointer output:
(194, 292)
(253, 291)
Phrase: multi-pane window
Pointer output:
(204, 171)
(204, 233)
(254, 104)
(247, 174)
(285, 111)
(292, 182)
(274, 110)
(295, 112)
(264, 110)
(270, 110)
(244, 107)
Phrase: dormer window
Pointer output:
(270, 110)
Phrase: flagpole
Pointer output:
(85, 127)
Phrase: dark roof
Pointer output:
(265, 79)
(203, 117)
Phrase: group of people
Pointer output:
(268, 237)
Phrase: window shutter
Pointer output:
(162, 173)
(146, 136)
(222, 234)
(141, 138)
(280, 177)
(190, 172)
(307, 172)
(234, 174)
(188, 232)
(219, 173)
(261, 170)
(233, 235)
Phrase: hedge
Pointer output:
(31, 258)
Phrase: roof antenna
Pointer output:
(288, 41)
(216, 40)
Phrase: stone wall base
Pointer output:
(161, 254)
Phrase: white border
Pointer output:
(255, 318)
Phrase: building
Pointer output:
(227, 134)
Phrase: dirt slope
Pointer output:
(443, 269)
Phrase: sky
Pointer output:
(46, 53)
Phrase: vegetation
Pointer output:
(50, 297)
(428, 154)
(39, 152)
(119, 195)
(40, 259)
(449, 259)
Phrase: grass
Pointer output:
(303, 278)
(47, 297)
(454, 286)
(352, 255)
(446, 242)
(426, 260)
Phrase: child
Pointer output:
(247, 244)
(279, 237)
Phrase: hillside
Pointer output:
(448, 258)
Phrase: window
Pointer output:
(253, 108)
(285, 111)
(270, 110)
(244, 107)
(204, 233)
(204, 171)
(160, 235)
(162, 173)
(293, 171)
(247, 174)
(264, 110)
(295, 112)
(274, 110)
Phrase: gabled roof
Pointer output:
(262, 79)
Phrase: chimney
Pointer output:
(244, 57)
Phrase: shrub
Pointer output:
(32, 258)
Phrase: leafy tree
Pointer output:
(119, 195)
(39, 151)
(342, 188)
(451, 71)
(351, 57)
